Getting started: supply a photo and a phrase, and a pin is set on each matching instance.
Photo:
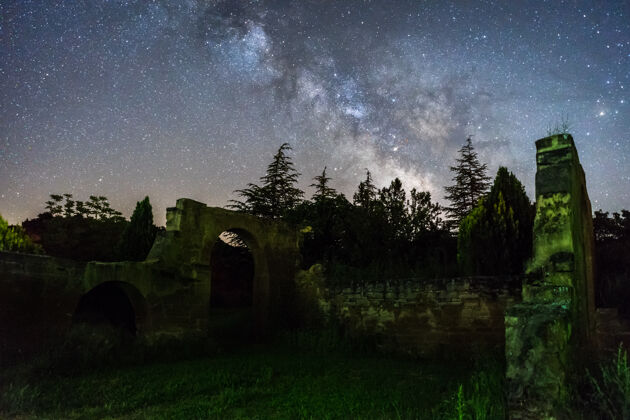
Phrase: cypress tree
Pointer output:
(496, 237)
(471, 183)
(138, 236)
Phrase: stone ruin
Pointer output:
(546, 333)
(551, 331)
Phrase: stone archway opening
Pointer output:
(232, 276)
(110, 305)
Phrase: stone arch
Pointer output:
(192, 229)
(260, 281)
(117, 303)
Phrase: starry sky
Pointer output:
(191, 98)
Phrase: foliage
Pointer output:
(383, 234)
(278, 193)
(83, 231)
(471, 183)
(138, 236)
(366, 193)
(322, 190)
(611, 391)
(496, 237)
(15, 239)
(97, 208)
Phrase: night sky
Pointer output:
(192, 98)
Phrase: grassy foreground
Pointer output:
(277, 381)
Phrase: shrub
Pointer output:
(15, 239)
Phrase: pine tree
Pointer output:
(139, 234)
(366, 193)
(278, 193)
(322, 190)
(471, 183)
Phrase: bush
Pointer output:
(15, 239)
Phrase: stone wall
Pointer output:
(422, 317)
(36, 303)
(550, 334)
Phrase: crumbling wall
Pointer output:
(420, 317)
(550, 332)
(169, 292)
(37, 300)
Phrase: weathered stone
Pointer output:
(169, 292)
(556, 315)
(429, 318)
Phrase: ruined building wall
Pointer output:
(549, 335)
(420, 317)
(36, 303)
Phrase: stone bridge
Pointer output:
(169, 293)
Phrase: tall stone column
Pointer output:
(548, 333)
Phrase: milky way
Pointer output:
(192, 98)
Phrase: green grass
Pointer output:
(283, 381)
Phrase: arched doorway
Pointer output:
(112, 304)
(232, 275)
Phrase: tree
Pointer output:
(496, 237)
(68, 207)
(98, 208)
(81, 231)
(366, 193)
(54, 205)
(393, 199)
(423, 215)
(138, 236)
(15, 239)
(278, 193)
(471, 183)
(322, 190)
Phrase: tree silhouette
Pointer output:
(139, 234)
(496, 237)
(471, 183)
(322, 190)
(54, 205)
(393, 199)
(366, 193)
(278, 193)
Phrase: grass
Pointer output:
(610, 388)
(280, 380)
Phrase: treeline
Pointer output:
(91, 230)
(390, 233)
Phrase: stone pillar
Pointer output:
(548, 333)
